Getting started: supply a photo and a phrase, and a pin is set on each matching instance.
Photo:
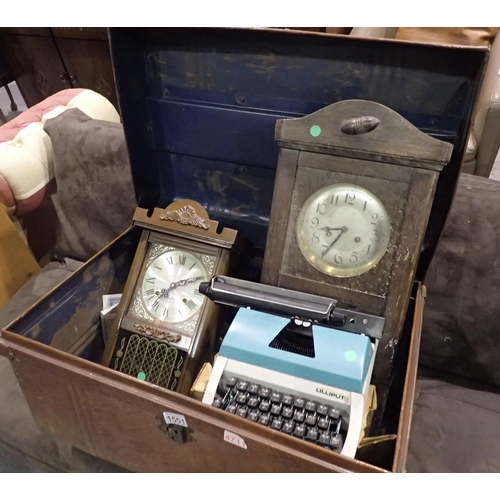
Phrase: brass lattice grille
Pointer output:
(150, 360)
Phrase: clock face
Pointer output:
(169, 288)
(343, 230)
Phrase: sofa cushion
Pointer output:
(95, 197)
(460, 332)
(455, 428)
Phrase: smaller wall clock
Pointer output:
(164, 326)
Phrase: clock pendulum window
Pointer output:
(164, 327)
(353, 193)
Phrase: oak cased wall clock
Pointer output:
(353, 193)
(164, 325)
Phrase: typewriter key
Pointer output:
(299, 430)
(311, 419)
(264, 419)
(311, 406)
(299, 402)
(231, 382)
(264, 392)
(253, 388)
(241, 398)
(299, 415)
(253, 402)
(322, 410)
(232, 408)
(241, 385)
(276, 397)
(242, 411)
(324, 439)
(276, 409)
(277, 423)
(336, 443)
(312, 435)
(253, 415)
(264, 405)
(323, 423)
(333, 413)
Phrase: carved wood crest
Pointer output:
(188, 219)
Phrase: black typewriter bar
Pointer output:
(239, 293)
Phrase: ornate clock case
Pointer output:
(370, 149)
(164, 325)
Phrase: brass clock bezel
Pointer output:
(324, 267)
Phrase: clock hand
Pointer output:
(328, 230)
(176, 284)
(193, 280)
(343, 229)
(165, 291)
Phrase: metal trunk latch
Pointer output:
(175, 427)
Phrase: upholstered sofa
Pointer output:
(457, 405)
(27, 163)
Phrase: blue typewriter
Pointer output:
(293, 362)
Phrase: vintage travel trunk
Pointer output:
(199, 108)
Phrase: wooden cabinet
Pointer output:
(47, 60)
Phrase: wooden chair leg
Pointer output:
(13, 105)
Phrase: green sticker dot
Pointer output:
(141, 376)
(350, 356)
(315, 130)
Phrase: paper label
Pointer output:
(174, 419)
(233, 438)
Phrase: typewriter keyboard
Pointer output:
(294, 415)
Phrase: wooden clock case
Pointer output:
(368, 145)
(199, 109)
(195, 233)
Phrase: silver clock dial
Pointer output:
(343, 230)
(170, 286)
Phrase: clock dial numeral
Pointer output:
(149, 291)
(349, 198)
(321, 208)
(191, 304)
